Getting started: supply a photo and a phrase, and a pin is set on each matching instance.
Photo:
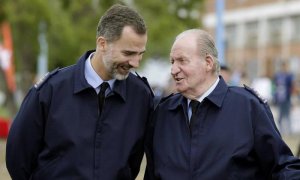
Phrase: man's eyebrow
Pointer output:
(133, 52)
(142, 52)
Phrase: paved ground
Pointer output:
(292, 140)
(3, 171)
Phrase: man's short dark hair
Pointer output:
(116, 18)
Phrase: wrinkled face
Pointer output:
(124, 54)
(188, 69)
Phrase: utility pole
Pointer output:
(220, 31)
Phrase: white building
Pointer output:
(258, 34)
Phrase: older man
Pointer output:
(209, 130)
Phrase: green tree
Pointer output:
(23, 18)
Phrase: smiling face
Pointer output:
(191, 72)
(117, 58)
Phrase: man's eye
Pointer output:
(181, 60)
(128, 53)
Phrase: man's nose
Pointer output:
(135, 61)
(174, 69)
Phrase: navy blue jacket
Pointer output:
(58, 133)
(234, 137)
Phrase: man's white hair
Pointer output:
(205, 45)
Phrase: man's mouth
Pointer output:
(125, 68)
(178, 79)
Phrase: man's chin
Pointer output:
(121, 76)
(179, 88)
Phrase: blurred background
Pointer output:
(254, 38)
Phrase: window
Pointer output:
(251, 34)
(275, 29)
(296, 28)
(231, 36)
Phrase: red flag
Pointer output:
(6, 56)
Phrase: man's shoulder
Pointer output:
(139, 82)
(170, 100)
(54, 75)
(247, 92)
(45, 78)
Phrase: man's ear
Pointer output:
(101, 43)
(209, 62)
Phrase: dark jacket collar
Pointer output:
(80, 83)
(120, 88)
(218, 95)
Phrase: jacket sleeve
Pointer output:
(275, 157)
(149, 171)
(25, 138)
(137, 157)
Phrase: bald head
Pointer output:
(203, 41)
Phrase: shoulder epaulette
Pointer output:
(144, 79)
(44, 79)
(255, 93)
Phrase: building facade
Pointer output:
(258, 35)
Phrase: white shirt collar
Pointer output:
(210, 90)
(206, 93)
